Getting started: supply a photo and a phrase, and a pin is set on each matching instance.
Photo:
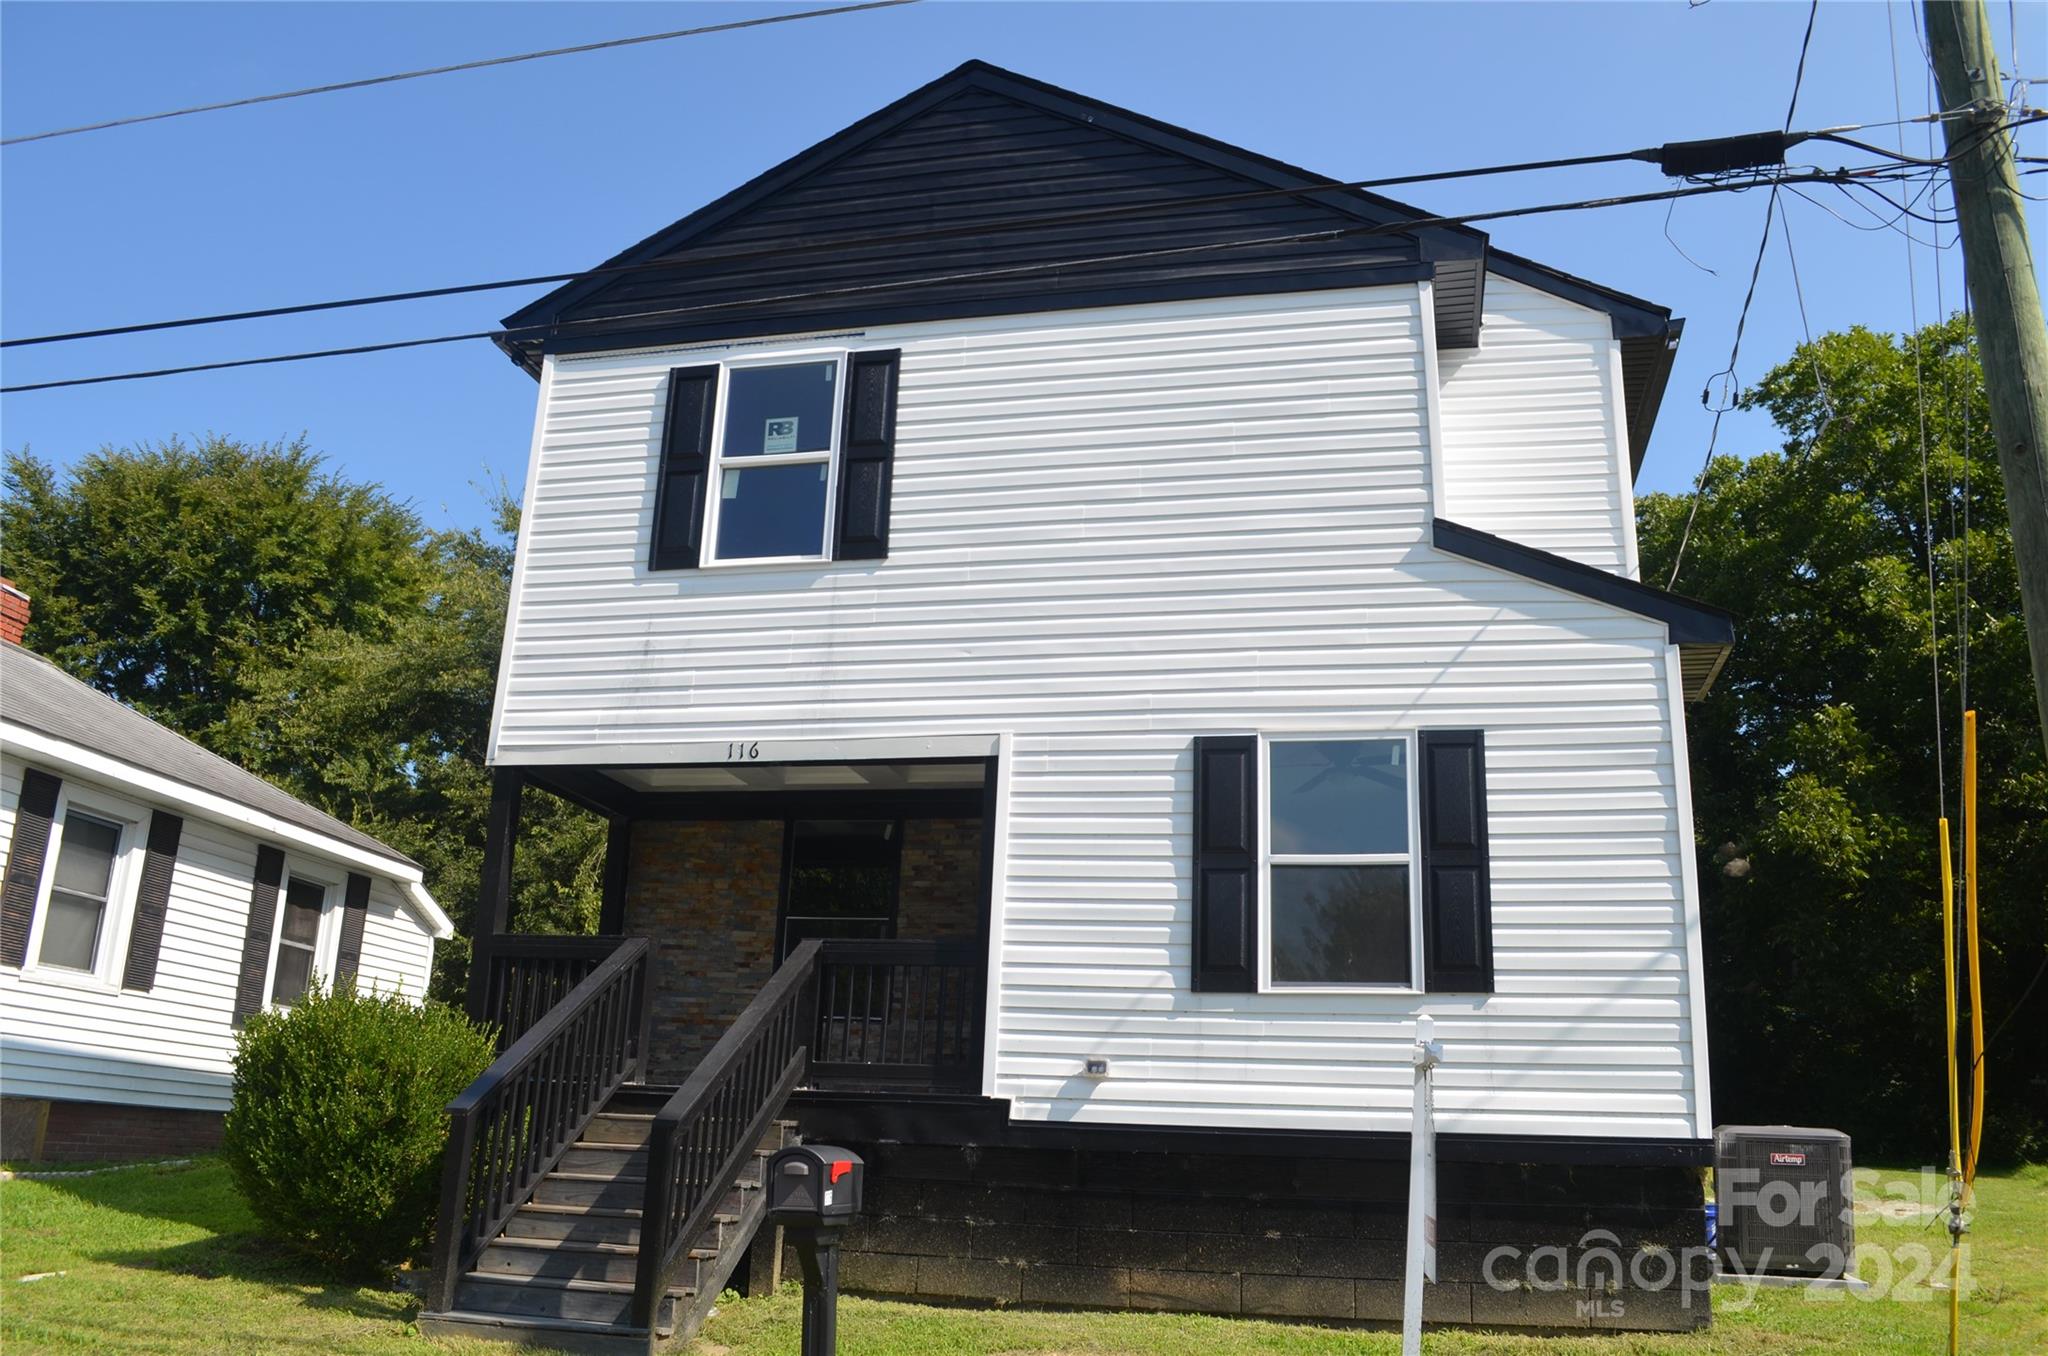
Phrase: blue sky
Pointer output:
(555, 164)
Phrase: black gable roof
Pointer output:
(951, 169)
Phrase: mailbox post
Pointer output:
(814, 1192)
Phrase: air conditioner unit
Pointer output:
(1783, 1202)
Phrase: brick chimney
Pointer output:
(13, 611)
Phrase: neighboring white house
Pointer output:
(153, 895)
(1197, 601)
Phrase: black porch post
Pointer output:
(494, 901)
(985, 928)
(618, 851)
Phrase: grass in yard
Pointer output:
(167, 1260)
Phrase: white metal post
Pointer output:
(1421, 1260)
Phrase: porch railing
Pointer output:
(514, 980)
(509, 1128)
(708, 1130)
(898, 1013)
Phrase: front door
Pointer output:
(842, 877)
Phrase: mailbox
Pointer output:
(814, 1184)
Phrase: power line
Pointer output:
(925, 235)
(1336, 233)
(365, 83)
(1699, 489)
(929, 234)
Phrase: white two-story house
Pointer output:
(1160, 623)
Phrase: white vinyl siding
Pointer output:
(1113, 530)
(1533, 450)
(172, 1046)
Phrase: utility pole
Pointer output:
(2011, 336)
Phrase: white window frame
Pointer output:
(1268, 859)
(110, 956)
(327, 941)
(717, 464)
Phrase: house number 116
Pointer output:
(740, 752)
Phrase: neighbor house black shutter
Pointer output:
(355, 912)
(262, 919)
(1226, 864)
(1457, 904)
(683, 480)
(152, 900)
(33, 814)
(867, 455)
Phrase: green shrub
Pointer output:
(337, 1126)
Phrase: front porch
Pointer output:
(767, 933)
(725, 870)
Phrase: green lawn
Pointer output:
(167, 1261)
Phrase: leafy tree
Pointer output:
(1817, 774)
(310, 629)
(389, 731)
(168, 575)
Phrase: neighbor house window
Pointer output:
(298, 940)
(81, 892)
(778, 436)
(1341, 862)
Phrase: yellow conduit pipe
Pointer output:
(1970, 945)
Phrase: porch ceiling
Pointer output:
(800, 777)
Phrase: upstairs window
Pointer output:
(776, 447)
(776, 459)
(1341, 863)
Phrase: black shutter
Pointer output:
(33, 815)
(1226, 864)
(683, 481)
(355, 911)
(867, 455)
(152, 900)
(1457, 902)
(262, 920)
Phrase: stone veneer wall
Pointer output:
(939, 895)
(1275, 1236)
(707, 894)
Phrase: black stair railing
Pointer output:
(515, 980)
(898, 1013)
(706, 1133)
(508, 1129)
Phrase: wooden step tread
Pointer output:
(608, 1147)
(565, 1245)
(561, 1176)
(595, 1211)
(506, 1278)
(539, 1322)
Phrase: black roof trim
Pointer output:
(1633, 317)
(1442, 244)
(1690, 622)
(1461, 254)
(1365, 275)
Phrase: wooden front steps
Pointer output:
(562, 1273)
